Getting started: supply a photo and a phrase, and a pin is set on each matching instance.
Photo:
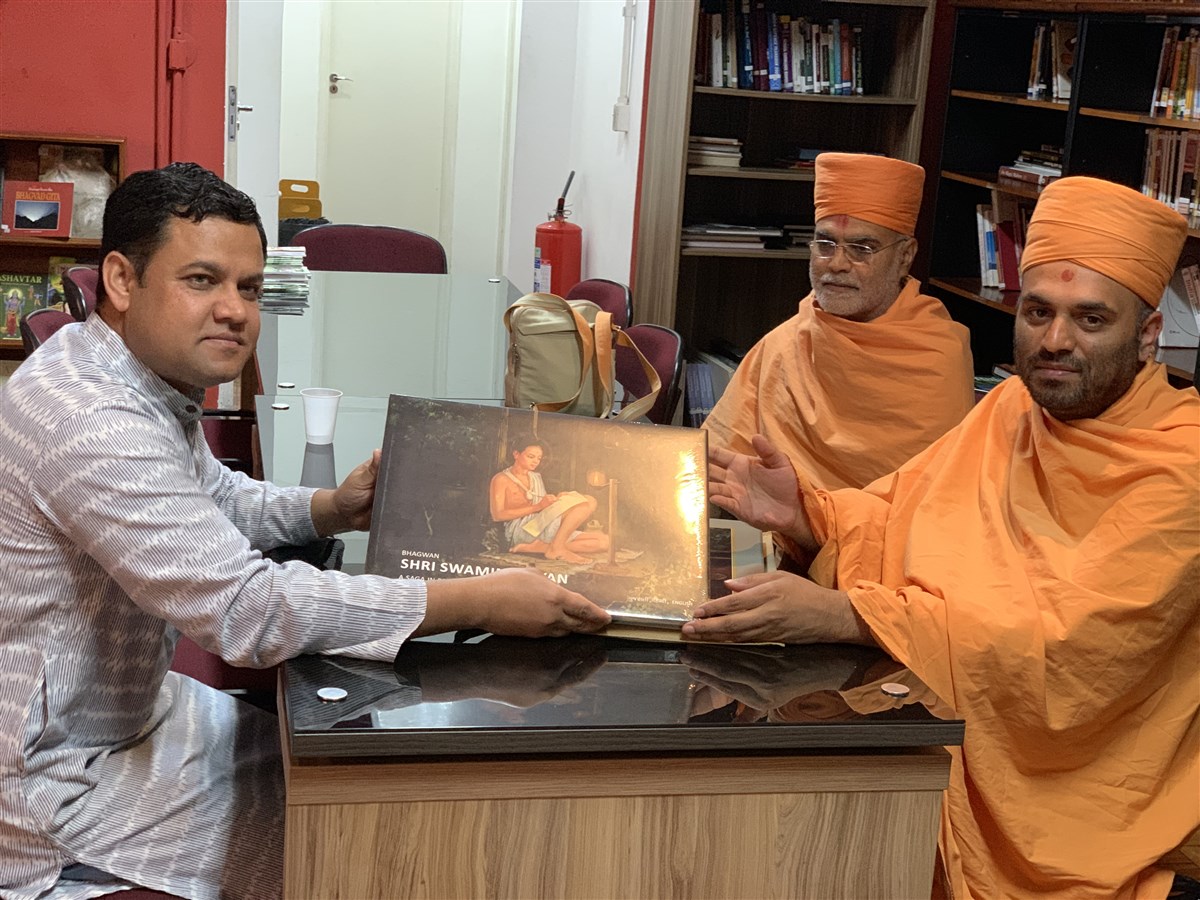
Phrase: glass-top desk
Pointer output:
(588, 767)
(370, 334)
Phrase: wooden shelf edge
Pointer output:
(849, 99)
(15, 240)
(1011, 99)
(753, 172)
(1138, 118)
(969, 289)
(1016, 188)
(1064, 7)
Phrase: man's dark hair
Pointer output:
(137, 212)
(523, 441)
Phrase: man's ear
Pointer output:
(907, 254)
(1148, 336)
(120, 278)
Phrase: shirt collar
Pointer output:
(111, 351)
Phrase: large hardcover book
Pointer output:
(612, 510)
(37, 208)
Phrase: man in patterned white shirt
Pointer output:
(119, 531)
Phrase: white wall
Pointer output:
(529, 90)
(568, 78)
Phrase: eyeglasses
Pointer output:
(856, 253)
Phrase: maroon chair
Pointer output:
(663, 348)
(610, 296)
(370, 248)
(79, 288)
(37, 326)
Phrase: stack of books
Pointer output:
(799, 235)
(285, 282)
(1037, 167)
(714, 151)
(718, 236)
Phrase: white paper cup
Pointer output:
(320, 414)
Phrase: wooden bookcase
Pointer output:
(20, 254)
(739, 295)
(1102, 130)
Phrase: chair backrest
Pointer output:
(664, 349)
(370, 248)
(79, 288)
(611, 296)
(37, 326)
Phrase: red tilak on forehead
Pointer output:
(842, 221)
(1066, 275)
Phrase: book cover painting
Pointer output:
(37, 208)
(21, 294)
(612, 510)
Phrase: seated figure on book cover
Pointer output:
(539, 522)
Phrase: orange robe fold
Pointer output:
(850, 401)
(1044, 577)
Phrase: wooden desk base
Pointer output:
(854, 825)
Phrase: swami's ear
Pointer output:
(120, 278)
(1148, 336)
(908, 253)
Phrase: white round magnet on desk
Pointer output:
(280, 406)
(331, 695)
(892, 689)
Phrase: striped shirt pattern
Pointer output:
(118, 531)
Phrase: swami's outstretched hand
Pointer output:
(761, 490)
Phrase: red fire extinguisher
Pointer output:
(557, 250)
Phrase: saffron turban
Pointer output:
(876, 189)
(1111, 229)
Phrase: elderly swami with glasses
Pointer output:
(870, 371)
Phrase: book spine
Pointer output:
(785, 53)
(717, 38)
(858, 74)
(729, 27)
(745, 49)
(1016, 174)
(758, 34)
(835, 57)
(774, 72)
(981, 234)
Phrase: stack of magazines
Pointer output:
(285, 282)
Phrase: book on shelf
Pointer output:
(1169, 172)
(36, 208)
(700, 244)
(989, 269)
(22, 294)
(466, 490)
(56, 297)
(1180, 308)
(698, 392)
(1064, 37)
(1026, 175)
(721, 368)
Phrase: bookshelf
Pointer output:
(24, 255)
(1102, 130)
(715, 295)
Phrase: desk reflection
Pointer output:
(458, 689)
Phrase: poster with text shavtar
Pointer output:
(615, 511)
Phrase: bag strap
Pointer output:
(604, 329)
(642, 405)
(587, 348)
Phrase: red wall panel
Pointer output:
(72, 67)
